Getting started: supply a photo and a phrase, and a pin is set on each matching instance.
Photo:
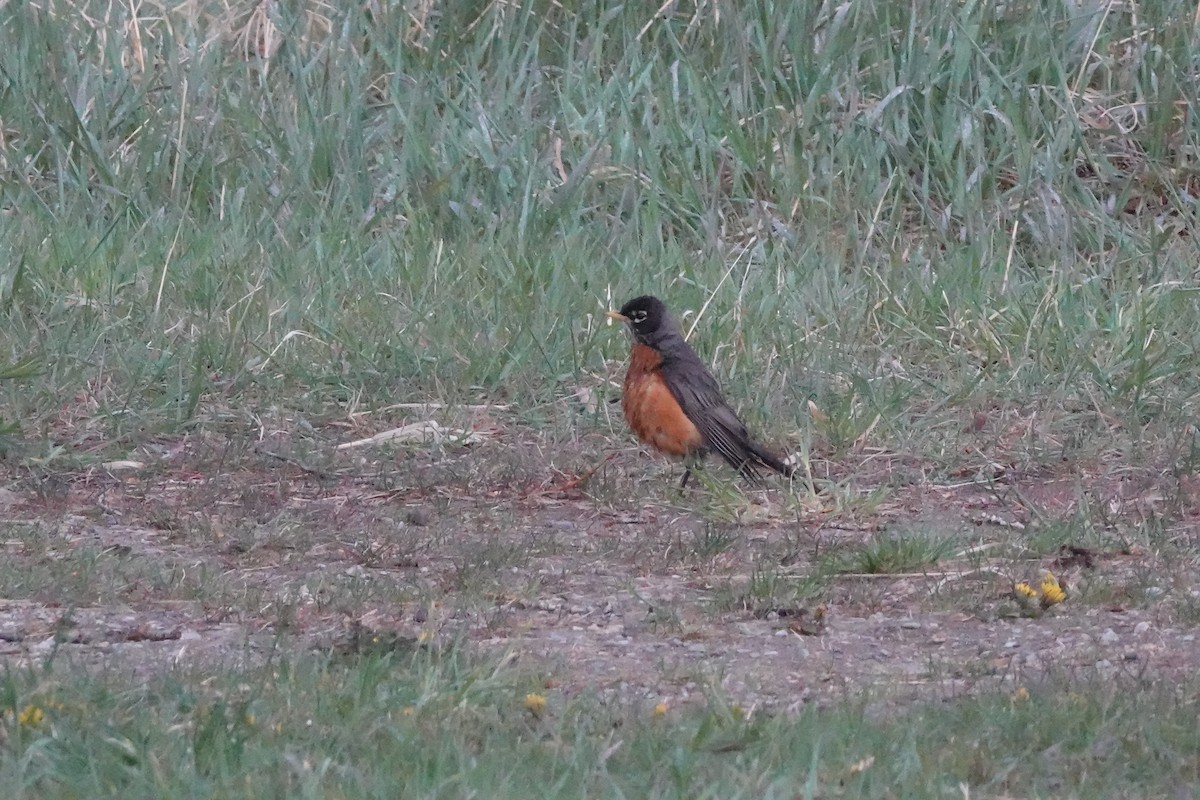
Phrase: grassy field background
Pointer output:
(963, 234)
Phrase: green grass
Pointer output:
(896, 214)
(224, 224)
(894, 553)
(770, 589)
(58, 568)
(423, 723)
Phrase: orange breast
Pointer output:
(652, 411)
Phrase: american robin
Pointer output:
(673, 403)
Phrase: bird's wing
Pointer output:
(700, 397)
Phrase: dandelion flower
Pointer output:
(535, 704)
(660, 710)
(30, 716)
(1052, 591)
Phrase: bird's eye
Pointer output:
(638, 316)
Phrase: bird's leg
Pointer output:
(690, 462)
(687, 473)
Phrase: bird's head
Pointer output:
(648, 318)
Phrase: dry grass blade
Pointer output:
(424, 432)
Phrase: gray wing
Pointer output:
(700, 397)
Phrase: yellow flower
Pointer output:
(1025, 590)
(1052, 591)
(660, 710)
(1020, 695)
(535, 704)
(30, 716)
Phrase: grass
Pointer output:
(880, 211)
(919, 246)
(770, 590)
(912, 552)
(54, 568)
(431, 723)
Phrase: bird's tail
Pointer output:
(768, 459)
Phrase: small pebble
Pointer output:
(1109, 637)
(418, 515)
(1141, 627)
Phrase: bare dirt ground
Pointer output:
(595, 573)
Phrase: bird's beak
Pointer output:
(618, 316)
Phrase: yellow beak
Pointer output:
(617, 315)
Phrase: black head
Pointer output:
(648, 318)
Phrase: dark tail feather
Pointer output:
(754, 455)
(768, 459)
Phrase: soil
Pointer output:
(594, 572)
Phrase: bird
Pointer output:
(674, 404)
